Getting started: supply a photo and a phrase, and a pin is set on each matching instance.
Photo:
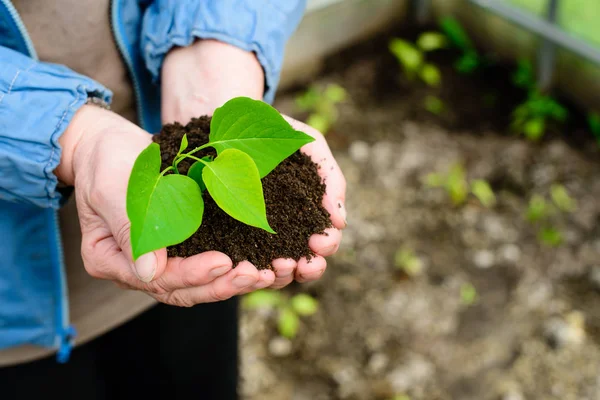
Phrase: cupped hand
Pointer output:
(99, 149)
(198, 79)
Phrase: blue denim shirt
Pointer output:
(37, 102)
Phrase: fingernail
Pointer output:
(342, 209)
(145, 267)
(243, 281)
(313, 275)
(216, 272)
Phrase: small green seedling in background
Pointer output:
(289, 310)
(165, 207)
(550, 236)
(483, 191)
(412, 57)
(322, 105)
(434, 105)
(593, 120)
(406, 260)
(468, 294)
(469, 60)
(541, 213)
(401, 397)
(531, 117)
(458, 188)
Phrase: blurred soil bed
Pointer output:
(531, 331)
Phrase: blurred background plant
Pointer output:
(321, 103)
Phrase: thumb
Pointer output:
(148, 266)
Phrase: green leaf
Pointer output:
(483, 191)
(430, 74)
(258, 130)
(433, 104)
(183, 145)
(195, 172)
(304, 305)
(335, 93)
(406, 260)
(288, 323)
(408, 55)
(562, 199)
(163, 210)
(319, 122)
(468, 294)
(550, 236)
(456, 185)
(262, 299)
(534, 128)
(233, 181)
(429, 41)
(455, 33)
(594, 124)
(537, 208)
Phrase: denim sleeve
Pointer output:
(261, 26)
(37, 102)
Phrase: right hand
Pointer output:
(99, 150)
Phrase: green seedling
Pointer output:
(412, 57)
(484, 193)
(165, 207)
(469, 60)
(406, 260)
(531, 117)
(593, 120)
(458, 187)
(289, 310)
(434, 105)
(542, 213)
(550, 236)
(561, 198)
(322, 104)
(468, 294)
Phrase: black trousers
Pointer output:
(165, 353)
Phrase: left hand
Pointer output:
(198, 79)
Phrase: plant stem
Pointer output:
(181, 156)
(167, 170)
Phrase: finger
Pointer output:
(327, 244)
(243, 276)
(284, 272)
(310, 270)
(197, 270)
(266, 279)
(330, 173)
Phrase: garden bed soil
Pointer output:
(293, 194)
(533, 329)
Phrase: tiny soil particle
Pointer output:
(293, 196)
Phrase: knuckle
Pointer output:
(178, 299)
(216, 294)
(157, 287)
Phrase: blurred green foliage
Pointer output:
(469, 60)
(406, 260)
(411, 57)
(542, 213)
(289, 309)
(322, 105)
(458, 188)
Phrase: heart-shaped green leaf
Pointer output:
(233, 181)
(258, 130)
(163, 210)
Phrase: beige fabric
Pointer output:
(77, 34)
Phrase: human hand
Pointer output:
(99, 150)
(198, 79)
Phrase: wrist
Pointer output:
(201, 77)
(86, 123)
